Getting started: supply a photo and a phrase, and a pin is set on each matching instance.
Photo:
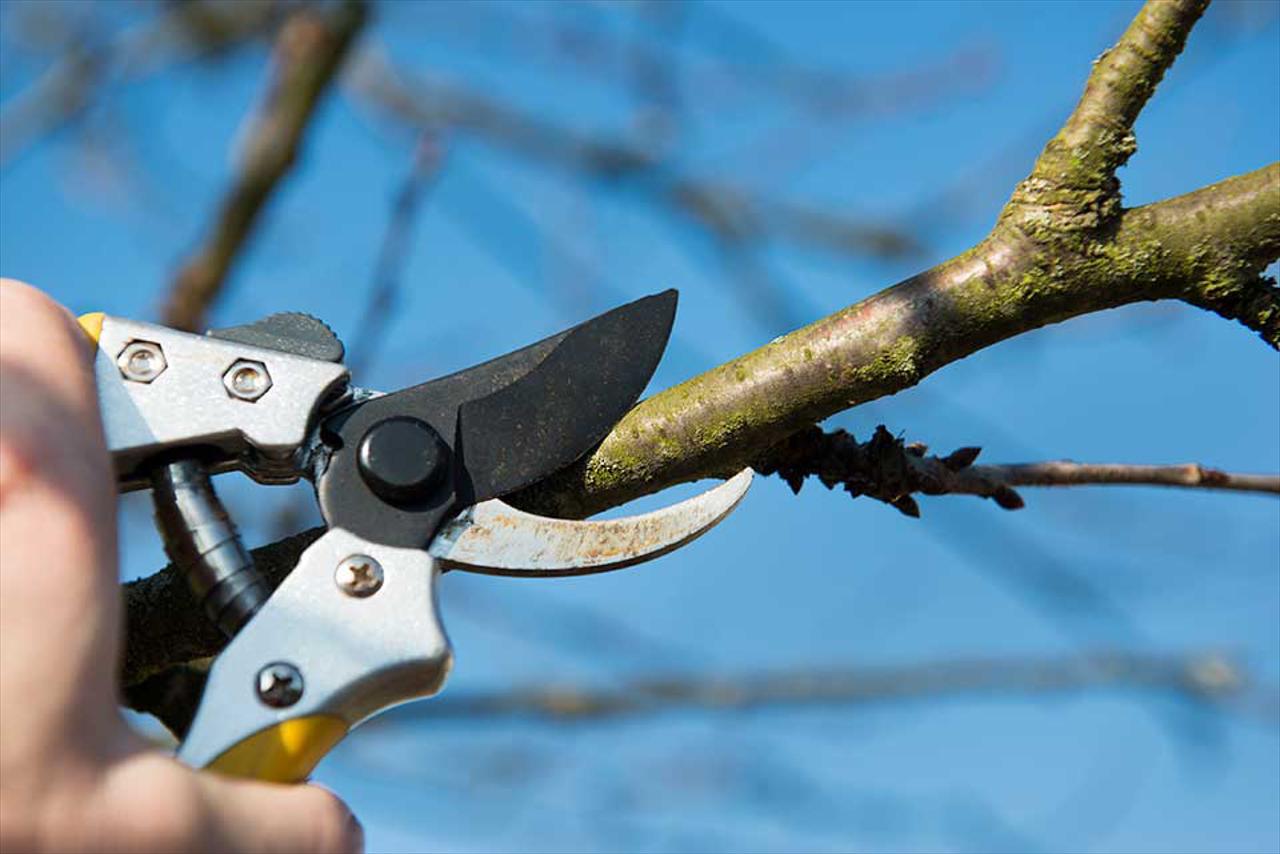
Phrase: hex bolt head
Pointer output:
(141, 361)
(247, 380)
(358, 576)
(279, 684)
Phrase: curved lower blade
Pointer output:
(497, 539)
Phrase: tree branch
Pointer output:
(165, 625)
(1208, 248)
(393, 253)
(309, 51)
(1074, 184)
(887, 469)
(1207, 245)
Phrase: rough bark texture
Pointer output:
(890, 470)
(1062, 247)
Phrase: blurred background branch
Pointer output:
(631, 164)
(1204, 677)
(310, 49)
(87, 63)
(1207, 678)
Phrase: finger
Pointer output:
(149, 802)
(58, 576)
(267, 817)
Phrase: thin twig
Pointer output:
(889, 470)
(310, 49)
(1068, 473)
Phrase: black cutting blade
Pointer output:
(505, 424)
(558, 411)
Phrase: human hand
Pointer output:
(73, 776)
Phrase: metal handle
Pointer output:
(352, 630)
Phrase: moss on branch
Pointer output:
(1073, 185)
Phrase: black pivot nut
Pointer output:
(402, 459)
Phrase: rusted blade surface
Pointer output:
(497, 539)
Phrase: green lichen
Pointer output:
(894, 368)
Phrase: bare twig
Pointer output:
(887, 469)
(1068, 473)
(311, 47)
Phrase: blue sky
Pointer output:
(507, 251)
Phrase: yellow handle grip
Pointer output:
(286, 752)
(91, 324)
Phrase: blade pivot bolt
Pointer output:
(279, 684)
(402, 459)
(358, 576)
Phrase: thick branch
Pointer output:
(1210, 244)
(310, 49)
(1211, 248)
(164, 624)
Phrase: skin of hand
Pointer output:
(73, 776)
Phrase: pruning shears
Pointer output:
(409, 485)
